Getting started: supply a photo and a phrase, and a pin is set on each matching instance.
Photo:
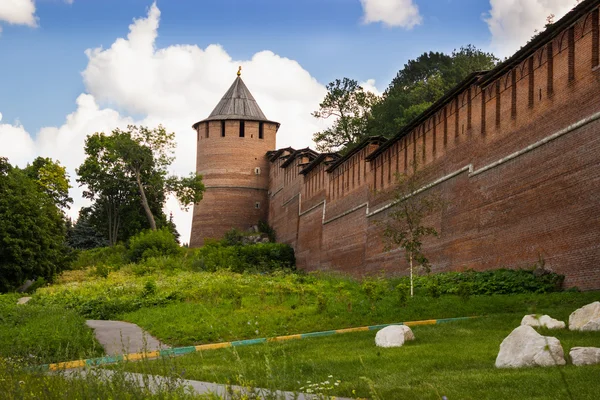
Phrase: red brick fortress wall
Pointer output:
(515, 153)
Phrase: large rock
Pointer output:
(585, 355)
(524, 347)
(393, 336)
(545, 321)
(586, 318)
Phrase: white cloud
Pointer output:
(175, 86)
(513, 22)
(369, 86)
(18, 12)
(403, 13)
(17, 146)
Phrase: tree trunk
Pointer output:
(410, 254)
(149, 214)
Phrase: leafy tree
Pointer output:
(133, 164)
(32, 229)
(52, 178)
(405, 228)
(350, 105)
(422, 82)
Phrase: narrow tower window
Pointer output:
(261, 130)
(222, 128)
(242, 129)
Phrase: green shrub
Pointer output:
(233, 237)
(261, 257)
(101, 271)
(403, 292)
(499, 281)
(433, 288)
(375, 289)
(464, 290)
(114, 256)
(264, 227)
(152, 244)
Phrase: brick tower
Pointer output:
(231, 156)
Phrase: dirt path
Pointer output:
(118, 337)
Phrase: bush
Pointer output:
(233, 237)
(152, 244)
(261, 257)
(499, 281)
(115, 257)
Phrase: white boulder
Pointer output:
(394, 336)
(586, 318)
(585, 355)
(524, 347)
(545, 321)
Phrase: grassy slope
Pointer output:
(36, 334)
(196, 322)
(454, 359)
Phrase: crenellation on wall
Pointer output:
(518, 177)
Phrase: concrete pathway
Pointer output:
(154, 383)
(118, 337)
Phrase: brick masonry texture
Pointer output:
(544, 202)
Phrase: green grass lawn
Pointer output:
(196, 322)
(42, 334)
(454, 360)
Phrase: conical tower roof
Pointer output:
(237, 103)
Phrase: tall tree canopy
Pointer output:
(52, 178)
(350, 105)
(125, 173)
(32, 227)
(420, 83)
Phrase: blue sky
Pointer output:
(69, 68)
(40, 72)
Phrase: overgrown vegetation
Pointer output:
(214, 293)
(260, 257)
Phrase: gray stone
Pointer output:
(393, 336)
(23, 300)
(545, 321)
(585, 355)
(524, 347)
(586, 318)
(25, 286)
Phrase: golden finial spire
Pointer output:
(239, 73)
